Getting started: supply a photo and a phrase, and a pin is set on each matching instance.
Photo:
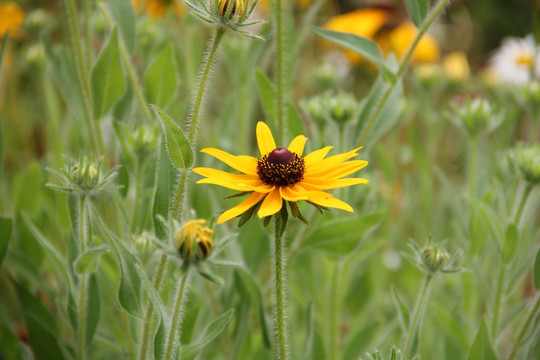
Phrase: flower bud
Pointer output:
(85, 176)
(434, 258)
(193, 241)
(232, 7)
(476, 117)
(526, 159)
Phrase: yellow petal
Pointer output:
(293, 193)
(272, 204)
(237, 182)
(330, 162)
(240, 208)
(327, 184)
(297, 145)
(324, 199)
(261, 188)
(265, 139)
(245, 164)
(317, 155)
(335, 171)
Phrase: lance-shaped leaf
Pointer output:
(88, 261)
(161, 80)
(108, 80)
(481, 348)
(124, 17)
(417, 10)
(5, 234)
(511, 242)
(178, 147)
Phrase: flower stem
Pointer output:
(82, 73)
(175, 322)
(129, 66)
(416, 322)
(524, 329)
(280, 70)
(425, 26)
(280, 284)
(134, 223)
(150, 309)
(195, 117)
(473, 164)
(83, 285)
(522, 203)
(334, 313)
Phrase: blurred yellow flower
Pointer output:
(456, 66)
(11, 18)
(157, 9)
(263, 4)
(371, 22)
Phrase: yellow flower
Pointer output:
(456, 66)
(11, 18)
(283, 174)
(157, 9)
(371, 23)
(238, 7)
(193, 241)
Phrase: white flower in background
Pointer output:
(516, 60)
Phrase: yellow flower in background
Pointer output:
(457, 66)
(265, 4)
(157, 9)
(371, 22)
(283, 174)
(11, 18)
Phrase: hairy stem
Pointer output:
(83, 285)
(280, 284)
(280, 70)
(175, 322)
(150, 309)
(416, 321)
(402, 66)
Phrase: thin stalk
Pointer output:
(524, 329)
(280, 70)
(503, 266)
(415, 326)
(83, 286)
(175, 322)
(129, 67)
(150, 309)
(87, 38)
(82, 73)
(473, 164)
(134, 223)
(402, 66)
(334, 313)
(280, 283)
(195, 117)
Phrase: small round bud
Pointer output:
(434, 258)
(193, 241)
(526, 159)
(476, 117)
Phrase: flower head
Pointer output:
(11, 18)
(283, 174)
(515, 60)
(232, 8)
(526, 159)
(193, 241)
(476, 116)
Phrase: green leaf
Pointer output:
(5, 234)
(160, 341)
(108, 80)
(10, 344)
(208, 334)
(481, 348)
(44, 344)
(268, 95)
(340, 236)
(361, 45)
(511, 242)
(161, 79)
(537, 271)
(124, 17)
(360, 341)
(402, 309)
(165, 180)
(129, 292)
(295, 124)
(88, 261)
(417, 10)
(93, 312)
(178, 147)
(27, 189)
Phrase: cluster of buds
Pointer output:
(476, 117)
(434, 259)
(143, 140)
(339, 107)
(230, 14)
(193, 241)
(526, 159)
(83, 177)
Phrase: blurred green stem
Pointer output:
(134, 223)
(129, 66)
(195, 116)
(75, 44)
(281, 346)
(150, 309)
(525, 329)
(87, 37)
(334, 312)
(280, 70)
(83, 285)
(402, 66)
(473, 164)
(503, 267)
(416, 321)
(175, 322)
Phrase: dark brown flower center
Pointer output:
(281, 168)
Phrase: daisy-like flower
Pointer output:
(515, 59)
(283, 174)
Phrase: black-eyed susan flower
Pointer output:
(193, 241)
(283, 174)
